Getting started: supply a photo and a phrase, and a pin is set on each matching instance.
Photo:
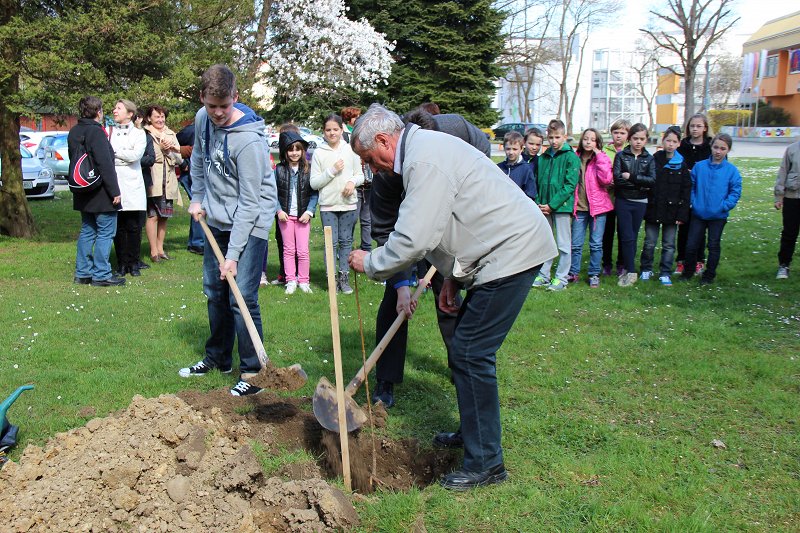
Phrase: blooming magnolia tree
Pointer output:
(314, 48)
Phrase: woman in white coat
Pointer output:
(128, 143)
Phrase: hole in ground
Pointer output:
(287, 424)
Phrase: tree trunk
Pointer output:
(688, 92)
(260, 39)
(15, 214)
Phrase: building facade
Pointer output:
(620, 82)
(771, 67)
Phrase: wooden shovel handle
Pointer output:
(248, 320)
(357, 381)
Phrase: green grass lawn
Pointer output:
(610, 397)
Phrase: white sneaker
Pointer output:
(263, 281)
(626, 280)
(291, 286)
(783, 272)
(305, 287)
(646, 275)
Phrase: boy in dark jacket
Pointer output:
(514, 167)
(558, 173)
(98, 207)
(667, 206)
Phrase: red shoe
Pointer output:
(699, 268)
(679, 267)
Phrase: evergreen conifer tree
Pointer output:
(445, 52)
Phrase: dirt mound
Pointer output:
(161, 465)
(185, 464)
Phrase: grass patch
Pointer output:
(271, 462)
(610, 397)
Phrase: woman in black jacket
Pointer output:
(634, 174)
(98, 207)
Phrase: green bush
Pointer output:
(773, 116)
(727, 117)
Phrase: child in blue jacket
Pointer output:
(716, 188)
(515, 167)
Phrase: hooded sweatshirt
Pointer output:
(329, 184)
(232, 178)
(716, 189)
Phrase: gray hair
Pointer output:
(376, 120)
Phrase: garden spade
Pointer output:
(296, 370)
(325, 404)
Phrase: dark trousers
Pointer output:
(485, 318)
(390, 365)
(128, 240)
(364, 218)
(629, 221)
(683, 239)
(608, 241)
(698, 229)
(224, 317)
(791, 228)
(196, 235)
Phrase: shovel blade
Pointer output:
(326, 408)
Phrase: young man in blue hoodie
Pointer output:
(515, 167)
(234, 188)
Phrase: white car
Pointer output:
(37, 180)
(31, 140)
(307, 135)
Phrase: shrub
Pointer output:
(728, 117)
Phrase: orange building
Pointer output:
(772, 64)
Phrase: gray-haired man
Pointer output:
(483, 234)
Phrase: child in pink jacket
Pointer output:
(592, 202)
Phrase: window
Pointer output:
(772, 67)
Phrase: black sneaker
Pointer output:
(200, 369)
(142, 265)
(113, 281)
(82, 281)
(384, 391)
(448, 440)
(198, 250)
(244, 388)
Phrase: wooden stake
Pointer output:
(337, 357)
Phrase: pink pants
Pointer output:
(295, 241)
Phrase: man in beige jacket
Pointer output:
(483, 234)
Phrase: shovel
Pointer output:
(296, 370)
(324, 403)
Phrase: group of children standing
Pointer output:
(684, 191)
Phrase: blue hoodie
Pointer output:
(521, 174)
(716, 188)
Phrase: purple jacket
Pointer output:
(597, 178)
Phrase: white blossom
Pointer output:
(316, 48)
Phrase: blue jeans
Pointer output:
(94, 245)
(342, 224)
(629, 221)
(224, 317)
(667, 247)
(196, 235)
(597, 226)
(694, 246)
(485, 318)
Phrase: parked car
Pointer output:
(521, 127)
(312, 139)
(37, 180)
(31, 139)
(46, 141)
(56, 156)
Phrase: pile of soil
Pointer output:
(185, 464)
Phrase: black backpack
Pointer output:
(82, 176)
